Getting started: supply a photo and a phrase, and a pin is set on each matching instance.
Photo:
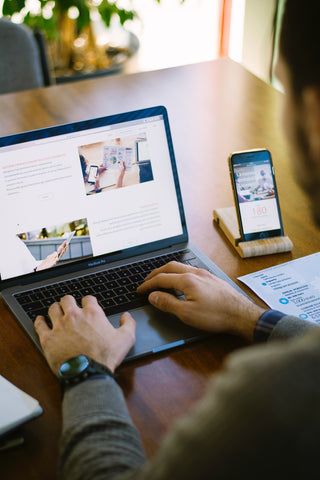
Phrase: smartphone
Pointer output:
(69, 238)
(255, 194)
(93, 173)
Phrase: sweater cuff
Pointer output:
(266, 323)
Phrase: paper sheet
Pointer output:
(292, 288)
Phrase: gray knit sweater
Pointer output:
(260, 419)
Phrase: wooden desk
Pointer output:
(214, 108)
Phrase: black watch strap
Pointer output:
(68, 378)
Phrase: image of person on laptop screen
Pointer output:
(260, 418)
(20, 260)
(97, 174)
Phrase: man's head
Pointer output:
(299, 71)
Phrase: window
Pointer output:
(173, 33)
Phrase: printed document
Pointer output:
(292, 288)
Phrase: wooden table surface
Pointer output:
(214, 108)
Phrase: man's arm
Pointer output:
(96, 424)
(215, 306)
(210, 303)
(99, 440)
(247, 425)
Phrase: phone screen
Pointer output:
(69, 238)
(255, 194)
(92, 174)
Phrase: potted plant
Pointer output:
(68, 28)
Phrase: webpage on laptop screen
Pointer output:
(85, 194)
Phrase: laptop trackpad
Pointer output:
(157, 331)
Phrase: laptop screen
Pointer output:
(86, 190)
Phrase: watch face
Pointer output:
(74, 366)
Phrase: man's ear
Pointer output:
(311, 119)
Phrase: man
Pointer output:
(260, 417)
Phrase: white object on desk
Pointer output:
(16, 406)
(292, 287)
(227, 220)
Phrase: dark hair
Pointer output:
(84, 165)
(300, 42)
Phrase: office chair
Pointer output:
(23, 61)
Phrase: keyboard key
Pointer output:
(147, 268)
(33, 315)
(132, 287)
(107, 303)
(124, 281)
(33, 306)
(86, 291)
(62, 290)
(137, 278)
(132, 295)
(77, 296)
(36, 296)
(120, 299)
(99, 288)
(99, 280)
(120, 290)
(47, 302)
(87, 282)
(50, 293)
(111, 276)
(158, 263)
(108, 294)
(112, 284)
(135, 269)
(23, 298)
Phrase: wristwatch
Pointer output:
(78, 369)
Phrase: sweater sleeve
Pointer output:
(273, 324)
(290, 326)
(99, 440)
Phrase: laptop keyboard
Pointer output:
(114, 288)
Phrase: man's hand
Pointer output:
(84, 331)
(211, 303)
(62, 249)
(48, 262)
(52, 259)
(122, 171)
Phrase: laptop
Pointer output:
(66, 231)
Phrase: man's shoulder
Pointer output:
(274, 379)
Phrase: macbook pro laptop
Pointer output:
(108, 234)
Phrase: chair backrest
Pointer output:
(21, 65)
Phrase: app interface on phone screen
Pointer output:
(256, 195)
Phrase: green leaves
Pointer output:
(37, 22)
(12, 6)
(84, 13)
(107, 10)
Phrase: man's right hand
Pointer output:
(210, 303)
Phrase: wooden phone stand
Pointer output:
(227, 220)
